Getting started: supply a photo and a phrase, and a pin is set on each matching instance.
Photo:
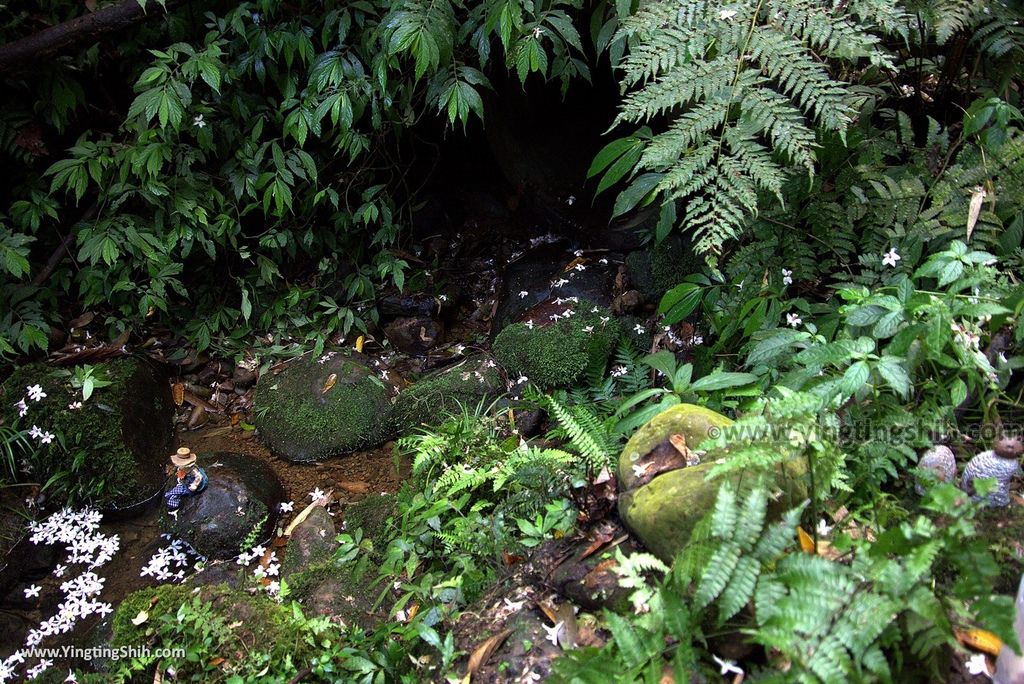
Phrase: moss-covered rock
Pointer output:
(431, 399)
(657, 269)
(237, 510)
(662, 512)
(556, 352)
(694, 423)
(371, 515)
(312, 410)
(242, 622)
(114, 446)
(327, 590)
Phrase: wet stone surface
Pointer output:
(240, 502)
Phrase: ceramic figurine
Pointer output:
(191, 479)
(1001, 464)
(940, 460)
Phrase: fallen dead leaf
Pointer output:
(140, 618)
(306, 511)
(979, 640)
(357, 487)
(974, 208)
(178, 393)
(806, 542)
(329, 383)
(483, 652)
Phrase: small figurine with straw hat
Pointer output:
(191, 479)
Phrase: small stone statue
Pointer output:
(1001, 464)
(191, 479)
(941, 461)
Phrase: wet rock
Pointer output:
(320, 407)
(414, 336)
(312, 542)
(238, 508)
(627, 302)
(15, 629)
(589, 581)
(120, 436)
(324, 589)
(431, 399)
(558, 341)
(243, 378)
(662, 498)
(30, 562)
(551, 272)
(214, 370)
(412, 305)
(529, 422)
(371, 515)
(221, 572)
(526, 649)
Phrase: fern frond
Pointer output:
(746, 88)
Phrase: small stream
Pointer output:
(139, 538)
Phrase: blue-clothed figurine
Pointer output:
(191, 479)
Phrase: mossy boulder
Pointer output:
(659, 268)
(662, 511)
(694, 423)
(237, 510)
(327, 590)
(241, 622)
(430, 400)
(554, 352)
(115, 445)
(313, 409)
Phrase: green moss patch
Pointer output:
(238, 623)
(313, 410)
(663, 512)
(658, 269)
(432, 399)
(557, 352)
(113, 448)
(327, 590)
(371, 515)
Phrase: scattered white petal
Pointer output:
(727, 666)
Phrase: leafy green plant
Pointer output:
(713, 389)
